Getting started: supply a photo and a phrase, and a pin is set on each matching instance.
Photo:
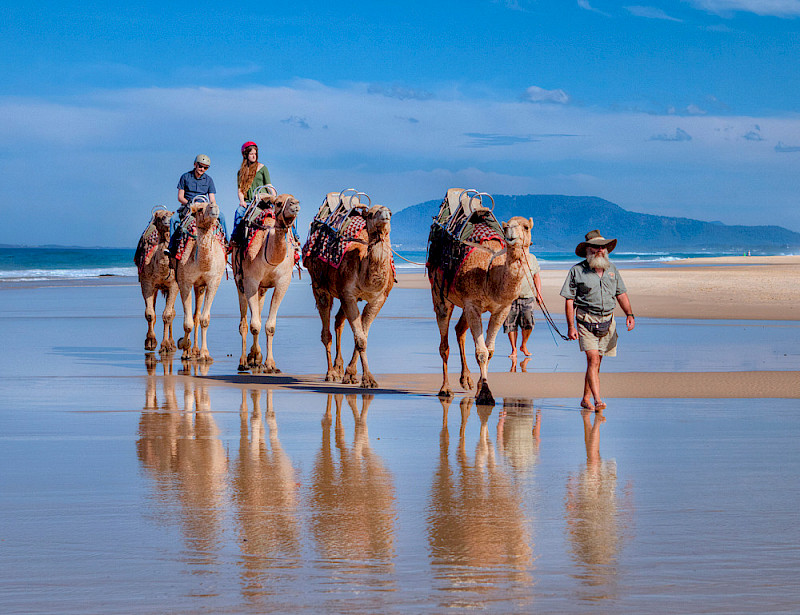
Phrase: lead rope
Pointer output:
(543, 307)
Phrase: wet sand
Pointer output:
(132, 484)
(748, 288)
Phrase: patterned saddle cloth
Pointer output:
(146, 246)
(328, 245)
(249, 226)
(190, 232)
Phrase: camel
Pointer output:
(200, 270)
(155, 275)
(365, 272)
(487, 280)
(266, 263)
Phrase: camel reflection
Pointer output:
(477, 531)
(596, 520)
(181, 451)
(353, 501)
(518, 433)
(264, 489)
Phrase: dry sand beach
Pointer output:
(133, 484)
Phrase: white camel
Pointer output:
(265, 263)
(200, 270)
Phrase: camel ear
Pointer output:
(505, 225)
(530, 220)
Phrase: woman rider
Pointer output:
(252, 175)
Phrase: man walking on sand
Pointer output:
(591, 291)
(521, 314)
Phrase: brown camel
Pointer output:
(266, 263)
(155, 275)
(365, 273)
(487, 280)
(200, 269)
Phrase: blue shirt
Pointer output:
(193, 187)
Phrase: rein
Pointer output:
(542, 306)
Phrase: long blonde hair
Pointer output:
(247, 171)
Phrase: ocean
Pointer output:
(26, 264)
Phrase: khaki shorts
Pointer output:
(606, 345)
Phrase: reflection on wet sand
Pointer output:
(352, 501)
(519, 432)
(597, 522)
(264, 489)
(181, 450)
(480, 545)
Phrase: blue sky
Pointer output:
(682, 107)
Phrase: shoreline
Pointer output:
(615, 385)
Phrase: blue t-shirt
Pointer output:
(193, 187)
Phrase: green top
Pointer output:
(261, 179)
(592, 293)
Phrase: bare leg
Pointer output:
(461, 338)
(512, 339)
(591, 386)
(526, 334)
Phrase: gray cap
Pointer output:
(203, 159)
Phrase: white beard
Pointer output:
(598, 261)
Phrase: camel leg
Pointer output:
(149, 293)
(350, 305)
(324, 304)
(461, 336)
(496, 321)
(483, 394)
(338, 329)
(243, 363)
(188, 321)
(167, 343)
(272, 321)
(199, 297)
(205, 319)
(443, 310)
(367, 316)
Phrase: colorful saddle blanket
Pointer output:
(191, 233)
(330, 246)
(147, 245)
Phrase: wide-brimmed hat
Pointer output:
(596, 240)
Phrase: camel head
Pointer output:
(286, 209)
(161, 222)
(518, 231)
(378, 221)
(206, 214)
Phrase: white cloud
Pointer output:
(584, 4)
(130, 146)
(536, 94)
(695, 110)
(774, 8)
(649, 12)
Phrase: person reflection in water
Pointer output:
(478, 532)
(182, 452)
(352, 500)
(519, 431)
(596, 519)
(264, 491)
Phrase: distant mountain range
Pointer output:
(560, 222)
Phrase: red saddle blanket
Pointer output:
(191, 233)
(147, 245)
(330, 247)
